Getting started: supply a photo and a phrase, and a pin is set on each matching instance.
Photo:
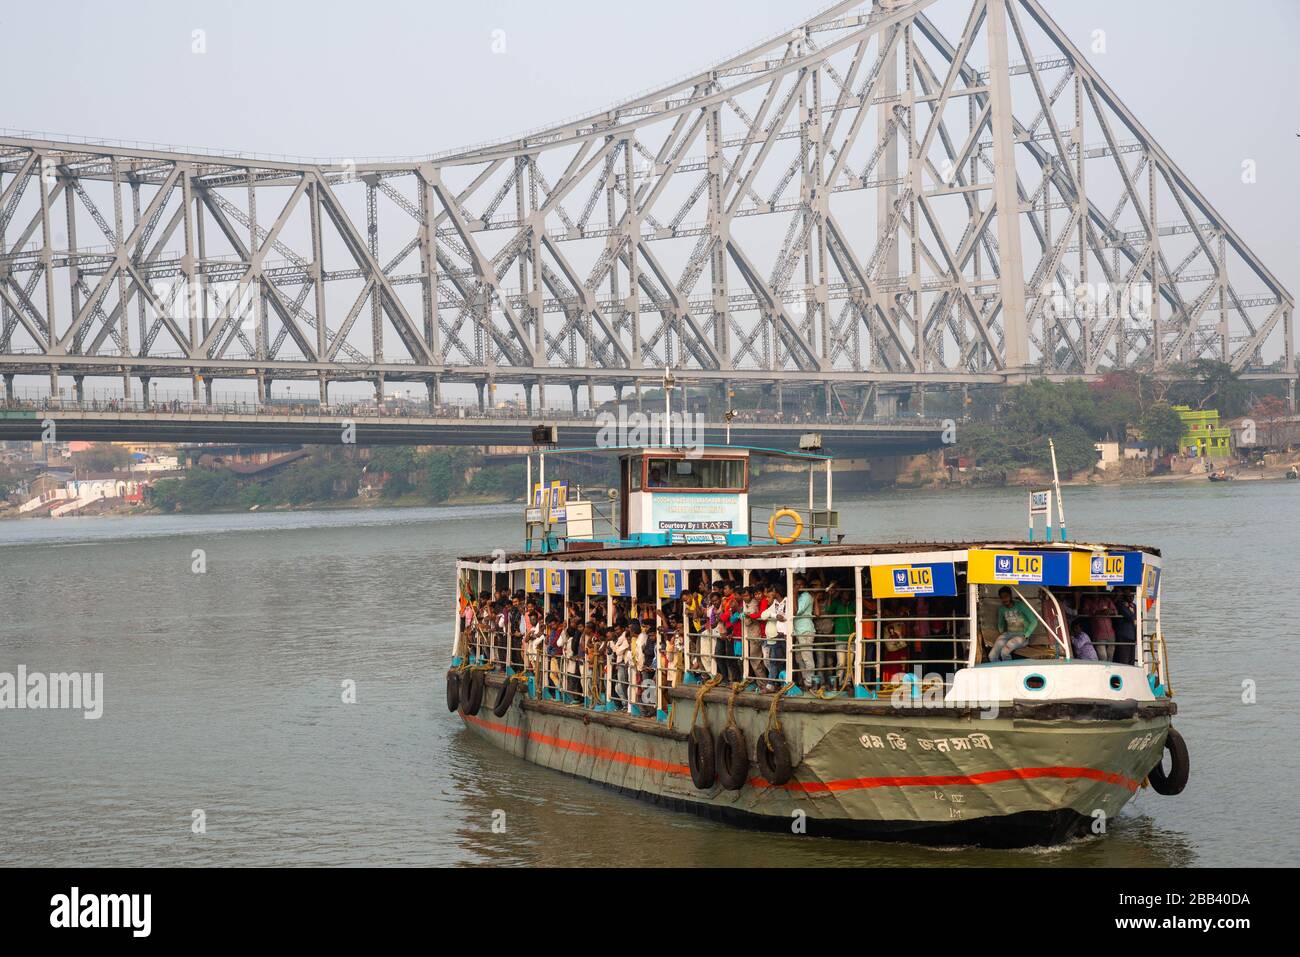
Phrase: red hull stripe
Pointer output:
(819, 787)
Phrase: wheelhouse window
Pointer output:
(695, 473)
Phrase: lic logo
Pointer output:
(1002, 564)
(900, 579)
(1098, 566)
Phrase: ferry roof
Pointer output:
(652, 449)
(720, 552)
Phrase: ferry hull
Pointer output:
(942, 776)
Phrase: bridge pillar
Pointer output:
(827, 388)
(573, 396)
(194, 386)
(780, 397)
(54, 382)
(261, 388)
(886, 404)
(144, 390)
(324, 390)
(591, 394)
(481, 387)
(528, 399)
(638, 395)
(207, 390)
(79, 387)
(379, 389)
(9, 386)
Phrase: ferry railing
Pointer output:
(873, 660)
(815, 524)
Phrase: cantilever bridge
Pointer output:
(862, 203)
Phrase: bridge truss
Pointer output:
(860, 200)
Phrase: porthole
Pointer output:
(1116, 682)
(1035, 682)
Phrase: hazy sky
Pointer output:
(1214, 82)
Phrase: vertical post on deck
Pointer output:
(789, 633)
(857, 626)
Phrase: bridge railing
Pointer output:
(185, 404)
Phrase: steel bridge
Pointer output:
(363, 426)
(862, 202)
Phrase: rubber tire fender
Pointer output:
(504, 698)
(773, 757)
(1173, 782)
(471, 699)
(702, 758)
(733, 758)
(453, 689)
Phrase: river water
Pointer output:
(223, 693)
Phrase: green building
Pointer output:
(1203, 437)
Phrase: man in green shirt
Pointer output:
(1016, 622)
(840, 607)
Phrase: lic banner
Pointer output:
(1017, 567)
(908, 581)
(533, 580)
(556, 579)
(620, 582)
(596, 581)
(669, 583)
(1106, 568)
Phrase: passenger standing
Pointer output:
(1126, 628)
(775, 625)
(752, 632)
(730, 628)
(804, 635)
(1101, 610)
(840, 611)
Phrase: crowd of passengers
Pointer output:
(1102, 626)
(725, 629)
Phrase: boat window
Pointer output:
(696, 473)
(634, 474)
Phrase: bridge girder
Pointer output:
(832, 205)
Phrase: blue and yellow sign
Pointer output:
(1106, 568)
(620, 582)
(669, 583)
(556, 579)
(908, 581)
(595, 581)
(1017, 567)
(1151, 584)
(532, 580)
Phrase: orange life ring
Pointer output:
(785, 513)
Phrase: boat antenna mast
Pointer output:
(1056, 483)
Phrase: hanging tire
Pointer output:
(504, 697)
(453, 690)
(1173, 782)
(471, 699)
(700, 755)
(733, 759)
(774, 764)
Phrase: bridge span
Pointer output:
(364, 425)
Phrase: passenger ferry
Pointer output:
(675, 641)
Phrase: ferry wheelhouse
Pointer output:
(672, 639)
